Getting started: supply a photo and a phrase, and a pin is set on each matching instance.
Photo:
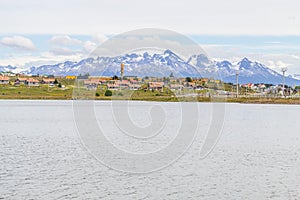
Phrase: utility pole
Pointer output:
(237, 83)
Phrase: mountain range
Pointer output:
(164, 64)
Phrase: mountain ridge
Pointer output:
(164, 64)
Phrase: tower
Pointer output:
(122, 71)
(237, 83)
(284, 69)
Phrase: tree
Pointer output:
(108, 93)
(55, 81)
(166, 79)
(59, 85)
(188, 79)
(115, 77)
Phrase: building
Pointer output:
(203, 81)
(70, 77)
(112, 86)
(48, 81)
(134, 85)
(156, 86)
(91, 83)
(4, 80)
(190, 85)
(176, 87)
(32, 82)
(20, 80)
(124, 84)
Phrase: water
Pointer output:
(41, 157)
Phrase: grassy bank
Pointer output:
(56, 93)
(37, 92)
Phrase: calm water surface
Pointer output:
(257, 156)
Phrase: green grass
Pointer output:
(45, 92)
(37, 92)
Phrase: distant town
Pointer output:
(21, 86)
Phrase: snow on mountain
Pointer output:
(163, 64)
(295, 76)
(7, 68)
(135, 64)
(249, 72)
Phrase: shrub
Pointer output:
(108, 93)
(97, 94)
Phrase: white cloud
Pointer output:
(65, 40)
(63, 51)
(99, 38)
(26, 61)
(89, 46)
(277, 61)
(18, 42)
(64, 44)
(259, 17)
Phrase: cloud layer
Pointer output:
(18, 42)
(256, 17)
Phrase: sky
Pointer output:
(46, 32)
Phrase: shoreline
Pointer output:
(282, 101)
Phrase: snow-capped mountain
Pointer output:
(254, 72)
(248, 72)
(135, 64)
(163, 64)
(295, 76)
(7, 68)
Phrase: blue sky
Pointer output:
(41, 32)
(273, 51)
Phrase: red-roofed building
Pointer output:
(48, 81)
(113, 86)
(155, 85)
(20, 80)
(135, 86)
(176, 87)
(32, 82)
(4, 80)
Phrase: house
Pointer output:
(112, 86)
(4, 79)
(204, 81)
(156, 86)
(190, 85)
(91, 83)
(48, 81)
(199, 87)
(176, 87)
(250, 86)
(123, 84)
(133, 81)
(262, 87)
(135, 86)
(20, 80)
(102, 81)
(32, 82)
